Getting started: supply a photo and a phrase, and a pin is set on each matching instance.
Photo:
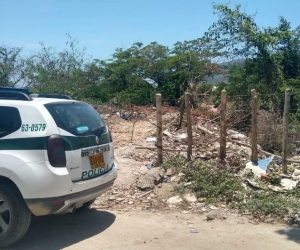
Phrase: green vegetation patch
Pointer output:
(219, 185)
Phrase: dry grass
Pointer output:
(270, 131)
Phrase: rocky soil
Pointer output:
(143, 186)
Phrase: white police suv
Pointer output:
(56, 155)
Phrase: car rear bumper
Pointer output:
(38, 180)
(49, 190)
(67, 203)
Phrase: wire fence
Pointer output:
(238, 118)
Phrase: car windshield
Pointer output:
(76, 117)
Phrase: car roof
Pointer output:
(50, 100)
(36, 101)
(6, 94)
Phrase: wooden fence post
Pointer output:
(159, 129)
(223, 125)
(287, 98)
(189, 125)
(181, 111)
(254, 151)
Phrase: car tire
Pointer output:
(15, 216)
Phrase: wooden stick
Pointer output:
(164, 149)
(132, 130)
(260, 150)
(223, 125)
(254, 152)
(189, 125)
(144, 194)
(181, 111)
(159, 129)
(285, 129)
(205, 130)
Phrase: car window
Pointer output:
(75, 117)
(10, 120)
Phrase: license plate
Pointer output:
(97, 161)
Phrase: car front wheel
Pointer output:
(15, 216)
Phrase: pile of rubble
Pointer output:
(154, 190)
(206, 134)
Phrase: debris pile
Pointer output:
(206, 135)
(152, 188)
(270, 171)
(206, 144)
(155, 189)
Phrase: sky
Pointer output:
(102, 26)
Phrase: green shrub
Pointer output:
(214, 184)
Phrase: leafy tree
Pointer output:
(127, 73)
(11, 66)
(171, 71)
(271, 55)
(49, 71)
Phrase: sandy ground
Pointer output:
(96, 229)
(99, 229)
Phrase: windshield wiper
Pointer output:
(99, 131)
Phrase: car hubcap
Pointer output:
(4, 216)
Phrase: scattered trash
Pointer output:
(204, 209)
(185, 212)
(256, 170)
(151, 139)
(253, 184)
(167, 133)
(194, 231)
(174, 200)
(190, 197)
(201, 158)
(232, 132)
(277, 160)
(288, 184)
(125, 116)
(182, 136)
(275, 188)
(296, 175)
(125, 156)
(264, 163)
(265, 177)
(235, 135)
(167, 179)
(149, 166)
(288, 176)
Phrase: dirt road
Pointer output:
(96, 229)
